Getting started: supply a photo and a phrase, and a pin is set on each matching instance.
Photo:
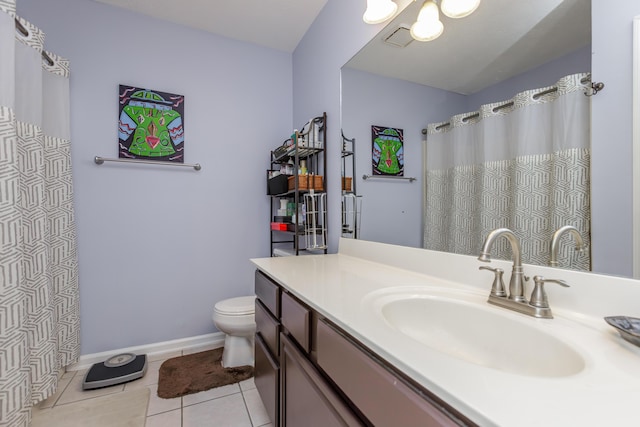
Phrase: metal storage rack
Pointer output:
(305, 232)
(315, 226)
(351, 202)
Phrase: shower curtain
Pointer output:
(39, 313)
(522, 164)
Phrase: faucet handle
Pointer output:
(539, 296)
(497, 289)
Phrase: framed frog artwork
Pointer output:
(151, 125)
(387, 152)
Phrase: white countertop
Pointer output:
(605, 393)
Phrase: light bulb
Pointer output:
(428, 26)
(426, 31)
(428, 12)
(459, 8)
(379, 11)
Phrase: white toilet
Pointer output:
(236, 318)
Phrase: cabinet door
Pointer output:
(307, 399)
(268, 293)
(295, 319)
(268, 328)
(266, 378)
(381, 396)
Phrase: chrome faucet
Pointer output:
(555, 242)
(516, 301)
(516, 283)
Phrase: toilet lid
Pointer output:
(236, 306)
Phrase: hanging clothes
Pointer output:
(523, 164)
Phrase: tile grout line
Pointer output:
(65, 389)
(181, 403)
(246, 406)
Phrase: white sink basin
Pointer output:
(477, 333)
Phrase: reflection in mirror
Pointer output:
(351, 201)
(502, 49)
(521, 164)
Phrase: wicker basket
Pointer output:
(306, 182)
(346, 183)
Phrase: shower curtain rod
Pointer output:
(595, 88)
(21, 28)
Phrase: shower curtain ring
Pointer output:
(595, 88)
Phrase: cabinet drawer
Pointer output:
(267, 328)
(295, 319)
(383, 397)
(266, 377)
(268, 292)
(308, 400)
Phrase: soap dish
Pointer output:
(629, 327)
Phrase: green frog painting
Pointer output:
(387, 153)
(151, 125)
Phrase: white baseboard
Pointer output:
(156, 349)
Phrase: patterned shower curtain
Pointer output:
(39, 313)
(522, 164)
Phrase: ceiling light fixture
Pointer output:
(428, 25)
(459, 8)
(379, 11)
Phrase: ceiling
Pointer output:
(501, 39)
(278, 24)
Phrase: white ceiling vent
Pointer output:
(400, 37)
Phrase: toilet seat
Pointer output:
(240, 306)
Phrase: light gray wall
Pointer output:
(159, 246)
(392, 210)
(544, 75)
(145, 279)
(335, 36)
(611, 136)
(327, 47)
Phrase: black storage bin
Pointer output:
(277, 185)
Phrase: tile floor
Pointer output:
(235, 405)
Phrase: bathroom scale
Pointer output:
(117, 369)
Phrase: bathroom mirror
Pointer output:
(503, 48)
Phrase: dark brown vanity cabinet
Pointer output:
(267, 345)
(296, 321)
(373, 387)
(307, 399)
(318, 375)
